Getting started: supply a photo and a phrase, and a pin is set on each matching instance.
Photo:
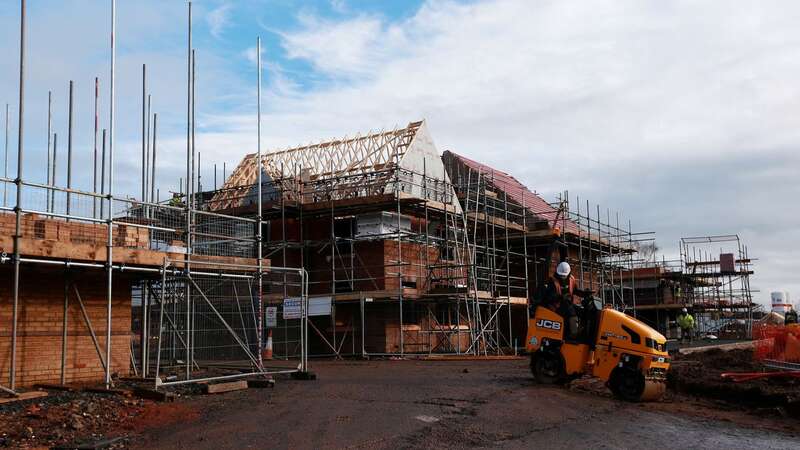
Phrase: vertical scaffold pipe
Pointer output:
(17, 208)
(110, 213)
(49, 148)
(94, 157)
(103, 172)
(5, 158)
(147, 198)
(51, 161)
(188, 182)
(144, 130)
(69, 147)
(258, 218)
(153, 199)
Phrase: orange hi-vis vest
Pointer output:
(557, 285)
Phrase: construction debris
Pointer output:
(700, 374)
(219, 388)
(744, 345)
(24, 396)
(91, 444)
(90, 418)
(152, 394)
(65, 416)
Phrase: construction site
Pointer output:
(378, 267)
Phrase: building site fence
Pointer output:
(200, 271)
(204, 324)
(777, 346)
(223, 307)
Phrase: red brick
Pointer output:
(40, 325)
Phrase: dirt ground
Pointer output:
(64, 418)
(437, 404)
(699, 374)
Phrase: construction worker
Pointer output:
(559, 295)
(790, 317)
(686, 324)
(176, 200)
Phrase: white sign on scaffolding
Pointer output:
(319, 306)
(271, 316)
(292, 308)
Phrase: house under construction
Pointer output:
(375, 244)
(722, 299)
(409, 251)
(711, 279)
(369, 245)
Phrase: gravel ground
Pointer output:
(403, 404)
(458, 404)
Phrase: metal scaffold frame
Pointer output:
(215, 247)
(462, 248)
(284, 199)
(364, 175)
(463, 267)
(605, 252)
(721, 294)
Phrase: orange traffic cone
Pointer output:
(268, 348)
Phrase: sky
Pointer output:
(682, 116)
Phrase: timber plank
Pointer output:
(219, 388)
(24, 396)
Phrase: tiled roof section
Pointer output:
(520, 194)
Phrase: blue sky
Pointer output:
(230, 27)
(681, 115)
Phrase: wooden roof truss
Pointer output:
(342, 168)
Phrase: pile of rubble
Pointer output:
(699, 374)
(67, 417)
(76, 416)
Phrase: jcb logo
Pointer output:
(544, 323)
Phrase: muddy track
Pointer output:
(406, 404)
(491, 404)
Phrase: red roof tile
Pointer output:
(520, 194)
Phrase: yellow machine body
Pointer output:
(626, 353)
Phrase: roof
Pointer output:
(359, 166)
(519, 193)
(346, 156)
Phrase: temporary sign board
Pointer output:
(292, 308)
(319, 306)
(271, 316)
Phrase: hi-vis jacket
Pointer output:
(686, 321)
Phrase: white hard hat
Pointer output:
(563, 269)
(684, 310)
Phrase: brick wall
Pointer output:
(40, 320)
(413, 268)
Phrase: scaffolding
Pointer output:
(722, 298)
(374, 235)
(197, 278)
(661, 289)
(372, 245)
(417, 253)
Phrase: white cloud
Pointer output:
(218, 19)
(347, 48)
(683, 114)
(654, 109)
(339, 6)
